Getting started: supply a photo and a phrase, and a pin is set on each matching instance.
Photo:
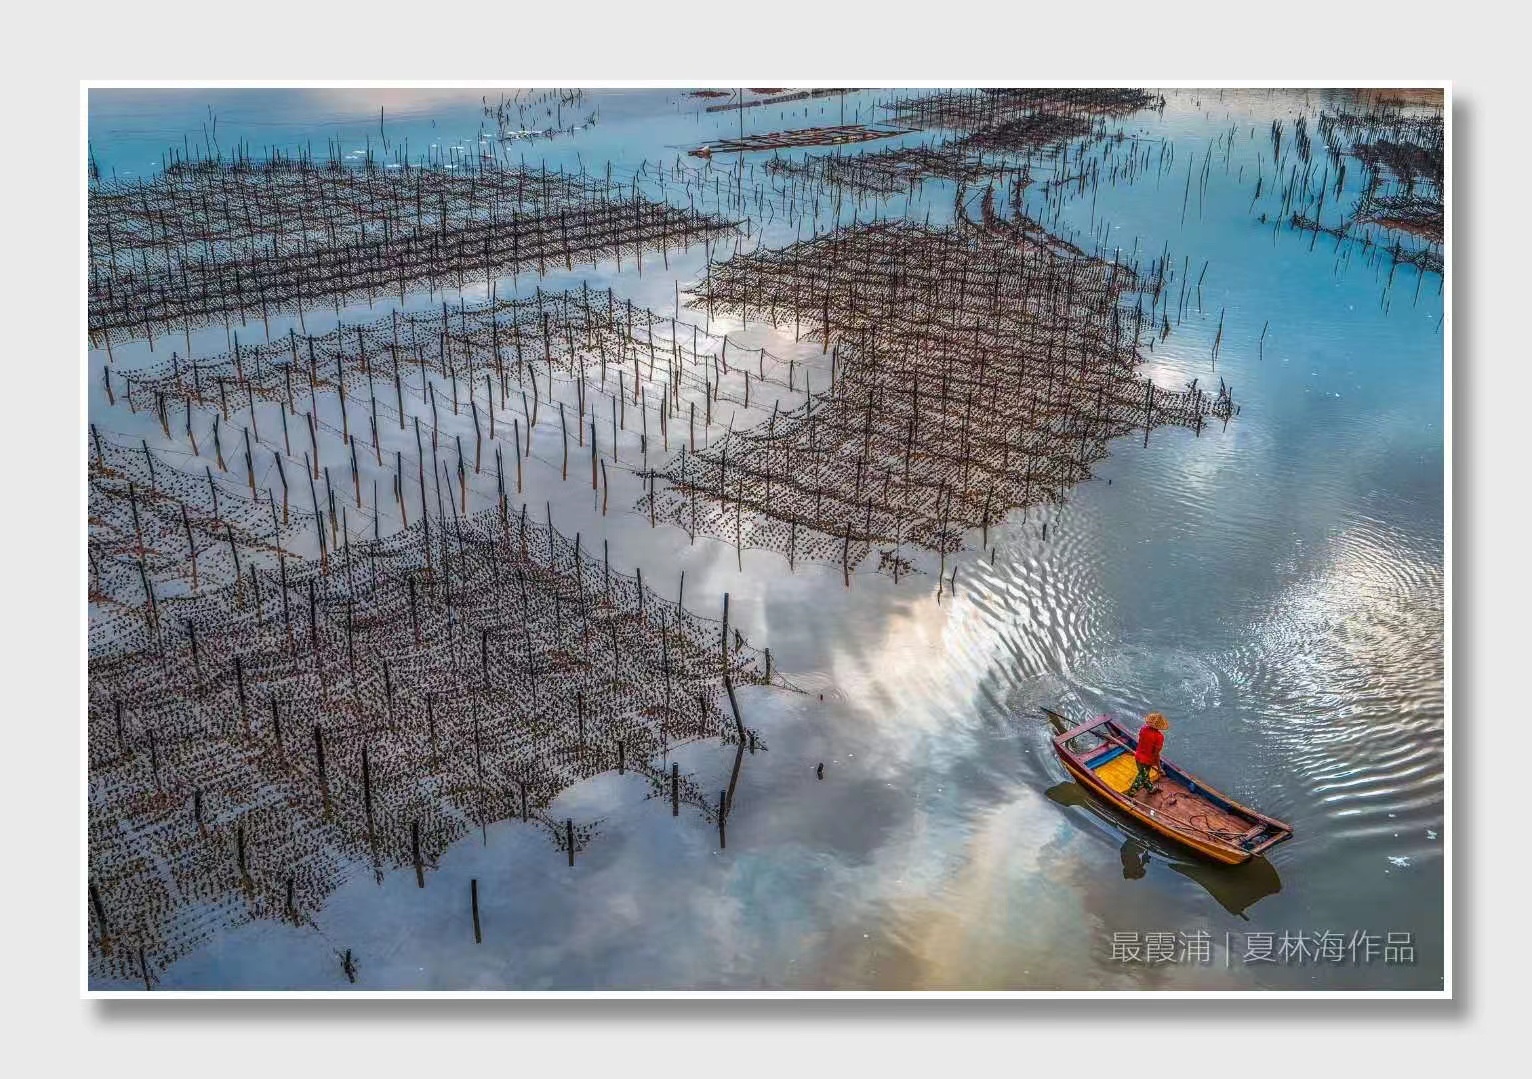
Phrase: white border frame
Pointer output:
(82, 648)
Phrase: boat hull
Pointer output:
(1217, 852)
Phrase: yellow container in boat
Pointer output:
(1119, 772)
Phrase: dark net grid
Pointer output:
(509, 349)
(158, 529)
(240, 479)
(252, 747)
(461, 671)
(885, 172)
(1405, 161)
(1402, 152)
(981, 368)
(219, 243)
(1021, 120)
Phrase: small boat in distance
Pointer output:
(1182, 807)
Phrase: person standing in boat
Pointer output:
(1151, 739)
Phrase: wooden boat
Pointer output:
(1182, 807)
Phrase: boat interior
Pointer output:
(1173, 798)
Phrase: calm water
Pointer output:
(1276, 588)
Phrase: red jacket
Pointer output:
(1150, 742)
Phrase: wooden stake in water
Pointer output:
(420, 876)
(324, 785)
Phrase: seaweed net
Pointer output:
(772, 98)
(522, 346)
(980, 368)
(253, 745)
(885, 172)
(1023, 119)
(1403, 157)
(461, 666)
(836, 135)
(212, 242)
(381, 390)
(281, 446)
(157, 529)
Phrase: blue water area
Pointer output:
(1274, 585)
